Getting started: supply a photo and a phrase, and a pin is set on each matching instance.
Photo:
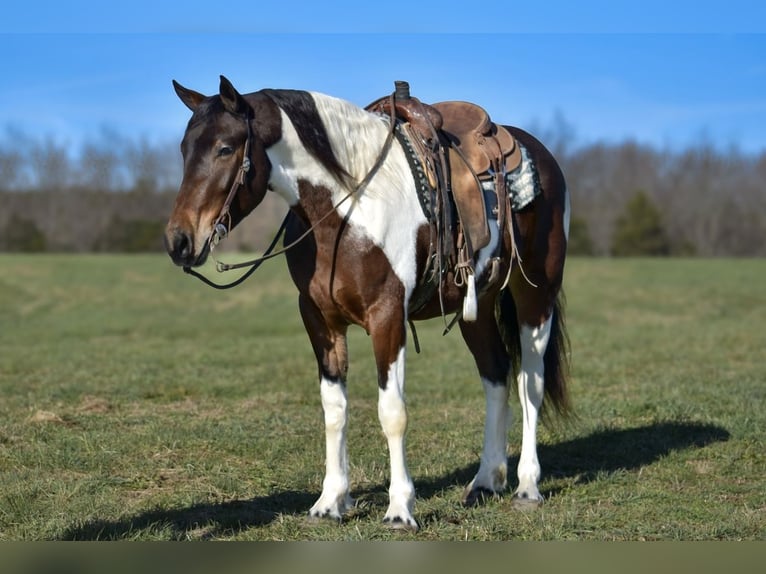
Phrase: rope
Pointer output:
(255, 264)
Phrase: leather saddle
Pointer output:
(478, 150)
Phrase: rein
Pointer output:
(222, 225)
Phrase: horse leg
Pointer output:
(331, 352)
(493, 362)
(530, 380)
(541, 345)
(388, 333)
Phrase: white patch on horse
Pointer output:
(387, 211)
(335, 498)
(485, 253)
(493, 469)
(290, 162)
(534, 341)
(392, 413)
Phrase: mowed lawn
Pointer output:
(137, 403)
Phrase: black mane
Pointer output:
(301, 109)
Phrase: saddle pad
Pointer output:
(522, 184)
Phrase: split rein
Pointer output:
(222, 226)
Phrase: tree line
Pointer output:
(114, 194)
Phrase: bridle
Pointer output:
(222, 225)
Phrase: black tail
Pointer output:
(555, 359)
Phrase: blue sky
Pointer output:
(661, 73)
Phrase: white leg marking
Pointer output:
(335, 499)
(392, 413)
(531, 386)
(493, 470)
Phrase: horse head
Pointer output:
(226, 168)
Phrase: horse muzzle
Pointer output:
(181, 248)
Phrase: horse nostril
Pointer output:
(183, 246)
(180, 247)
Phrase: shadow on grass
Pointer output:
(584, 458)
(197, 522)
(601, 452)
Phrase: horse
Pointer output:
(358, 243)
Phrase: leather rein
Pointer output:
(222, 225)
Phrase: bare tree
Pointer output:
(50, 165)
(102, 165)
(713, 201)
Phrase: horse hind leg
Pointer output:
(540, 375)
(536, 354)
(330, 348)
(388, 338)
(493, 361)
(531, 388)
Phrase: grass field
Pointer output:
(138, 404)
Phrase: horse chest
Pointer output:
(348, 279)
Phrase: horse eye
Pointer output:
(224, 151)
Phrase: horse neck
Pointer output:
(355, 137)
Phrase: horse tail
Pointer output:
(555, 358)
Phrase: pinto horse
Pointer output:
(360, 261)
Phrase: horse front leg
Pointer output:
(389, 339)
(331, 351)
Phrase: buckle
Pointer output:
(220, 231)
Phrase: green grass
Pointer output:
(136, 403)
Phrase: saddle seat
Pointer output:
(465, 125)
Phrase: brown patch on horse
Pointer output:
(347, 278)
(542, 243)
(540, 238)
(329, 343)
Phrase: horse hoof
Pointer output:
(476, 496)
(524, 502)
(400, 524)
(316, 519)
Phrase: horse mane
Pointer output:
(300, 107)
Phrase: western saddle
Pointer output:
(463, 154)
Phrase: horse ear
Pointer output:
(232, 100)
(189, 97)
